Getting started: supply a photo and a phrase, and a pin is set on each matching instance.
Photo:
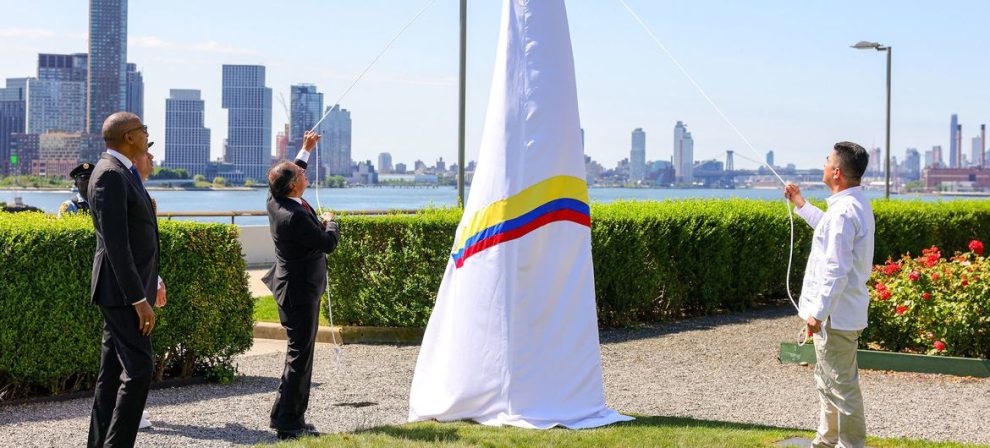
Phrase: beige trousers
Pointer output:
(842, 422)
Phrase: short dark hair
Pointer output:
(281, 177)
(852, 160)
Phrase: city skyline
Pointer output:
(792, 96)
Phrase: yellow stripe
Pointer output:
(558, 187)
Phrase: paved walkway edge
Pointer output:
(347, 335)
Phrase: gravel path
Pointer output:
(716, 368)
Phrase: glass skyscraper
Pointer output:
(306, 106)
(134, 102)
(335, 144)
(249, 122)
(106, 81)
(187, 140)
(637, 156)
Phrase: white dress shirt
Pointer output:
(840, 262)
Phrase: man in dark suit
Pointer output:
(297, 280)
(125, 277)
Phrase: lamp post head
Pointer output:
(867, 45)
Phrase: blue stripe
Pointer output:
(515, 223)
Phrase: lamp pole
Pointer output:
(461, 105)
(863, 45)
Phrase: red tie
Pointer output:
(306, 204)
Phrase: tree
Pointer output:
(249, 183)
(219, 182)
(199, 178)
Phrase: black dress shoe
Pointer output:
(308, 426)
(297, 433)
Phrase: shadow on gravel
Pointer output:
(232, 433)
(81, 407)
(647, 331)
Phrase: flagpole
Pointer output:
(461, 108)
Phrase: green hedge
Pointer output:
(50, 334)
(653, 260)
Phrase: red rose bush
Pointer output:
(932, 304)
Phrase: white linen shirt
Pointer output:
(840, 262)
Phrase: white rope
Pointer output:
(802, 338)
(337, 345)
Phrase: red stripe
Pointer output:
(558, 215)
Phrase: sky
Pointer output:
(781, 71)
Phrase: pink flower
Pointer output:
(884, 294)
(976, 246)
(939, 345)
(901, 310)
(935, 276)
(914, 276)
(926, 296)
(930, 335)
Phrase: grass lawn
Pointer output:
(643, 432)
(265, 310)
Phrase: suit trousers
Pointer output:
(842, 421)
(126, 366)
(301, 322)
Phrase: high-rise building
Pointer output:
(106, 78)
(683, 154)
(400, 168)
(187, 140)
(953, 126)
(770, 158)
(134, 101)
(53, 105)
(637, 156)
(11, 119)
(249, 122)
(55, 101)
(282, 144)
(335, 143)
(63, 67)
(385, 163)
(912, 164)
(937, 160)
(441, 166)
(306, 105)
(875, 168)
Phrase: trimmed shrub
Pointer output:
(50, 333)
(653, 260)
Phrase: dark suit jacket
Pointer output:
(125, 266)
(299, 274)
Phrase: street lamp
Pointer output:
(864, 45)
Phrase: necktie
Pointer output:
(306, 204)
(137, 176)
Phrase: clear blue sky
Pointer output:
(781, 70)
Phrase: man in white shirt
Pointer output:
(834, 294)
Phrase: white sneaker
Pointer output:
(145, 423)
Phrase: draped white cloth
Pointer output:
(513, 338)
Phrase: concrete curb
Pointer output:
(347, 335)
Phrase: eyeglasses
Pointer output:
(143, 127)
